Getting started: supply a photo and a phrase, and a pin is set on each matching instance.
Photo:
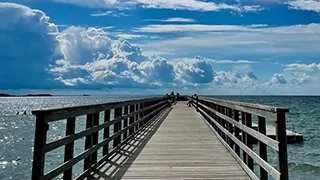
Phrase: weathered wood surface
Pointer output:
(180, 147)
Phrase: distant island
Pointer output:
(5, 95)
(31, 95)
(28, 95)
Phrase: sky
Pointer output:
(222, 47)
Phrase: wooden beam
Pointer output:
(69, 148)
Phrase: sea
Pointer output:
(17, 131)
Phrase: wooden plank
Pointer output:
(183, 147)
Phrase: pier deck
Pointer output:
(182, 147)
(163, 138)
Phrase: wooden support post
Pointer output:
(106, 133)
(125, 122)
(249, 140)
(131, 120)
(244, 137)
(230, 127)
(95, 137)
(223, 122)
(136, 118)
(40, 139)
(237, 131)
(88, 142)
(117, 126)
(262, 147)
(281, 136)
(69, 148)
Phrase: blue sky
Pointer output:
(155, 46)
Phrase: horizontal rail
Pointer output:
(256, 109)
(236, 133)
(50, 115)
(63, 167)
(261, 137)
(129, 117)
(272, 171)
(66, 140)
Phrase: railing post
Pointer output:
(137, 117)
(249, 140)
(230, 126)
(95, 137)
(237, 132)
(106, 133)
(131, 120)
(69, 148)
(125, 122)
(88, 142)
(197, 103)
(281, 136)
(40, 139)
(117, 113)
(244, 138)
(262, 147)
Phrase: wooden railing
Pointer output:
(128, 118)
(232, 123)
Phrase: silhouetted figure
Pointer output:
(172, 93)
(17, 113)
(178, 96)
(25, 112)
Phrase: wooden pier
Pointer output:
(161, 138)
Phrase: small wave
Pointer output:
(302, 167)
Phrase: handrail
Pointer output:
(232, 123)
(128, 118)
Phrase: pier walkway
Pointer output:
(182, 147)
(162, 138)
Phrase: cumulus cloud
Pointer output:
(194, 71)
(279, 79)
(28, 44)
(309, 5)
(232, 78)
(302, 67)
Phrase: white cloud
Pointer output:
(279, 79)
(129, 36)
(174, 19)
(164, 28)
(222, 39)
(310, 5)
(191, 5)
(27, 43)
(302, 67)
(198, 71)
(110, 13)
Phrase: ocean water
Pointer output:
(17, 131)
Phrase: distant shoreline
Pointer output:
(28, 95)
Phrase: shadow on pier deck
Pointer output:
(159, 138)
